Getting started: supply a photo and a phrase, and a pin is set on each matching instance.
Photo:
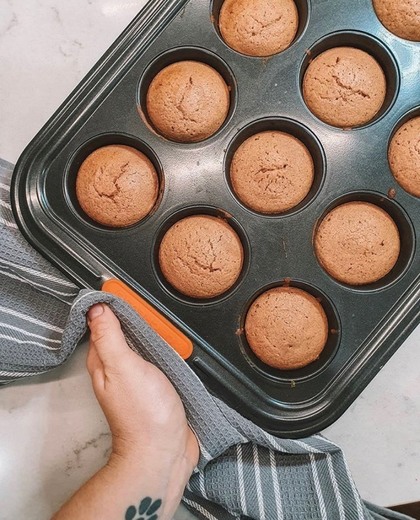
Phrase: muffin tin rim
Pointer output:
(37, 236)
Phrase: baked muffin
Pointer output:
(258, 27)
(201, 256)
(117, 185)
(286, 328)
(271, 172)
(357, 243)
(401, 17)
(344, 87)
(404, 156)
(188, 101)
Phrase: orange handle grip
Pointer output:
(166, 330)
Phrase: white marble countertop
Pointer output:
(53, 433)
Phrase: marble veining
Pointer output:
(101, 445)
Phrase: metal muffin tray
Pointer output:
(367, 323)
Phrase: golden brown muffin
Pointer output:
(344, 87)
(271, 172)
(401, 17)
(188, 101)
(117, 185)
(258, 27)
(357, 243)
(404, 156)
(201, 256)
(286, 328)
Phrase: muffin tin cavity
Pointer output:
(302, 7)
(327, 354)
(404, 152)
(405, 230)
(371, 46)
(200, 211)
(186, 54)
(87, 148)
(294, 129)
(401, 17)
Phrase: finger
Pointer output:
(97, 376)
(92, 361)
(106, 336)
(95, 369)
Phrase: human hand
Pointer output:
(144, 412)
(153, 450)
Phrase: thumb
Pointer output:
(106, 335)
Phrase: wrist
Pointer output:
(156, 462)
(159, 453)
(157, 474)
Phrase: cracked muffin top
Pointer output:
(271, 172)
(201, 256)
(286, 328)
(117, 186)
(357, 243)
(401, 17)
(344, 87)
(258, 27)
(188, 101)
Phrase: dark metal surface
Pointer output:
(368, 323)
(412, 509)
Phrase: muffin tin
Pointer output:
(367, 323)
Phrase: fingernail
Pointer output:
(95, 311)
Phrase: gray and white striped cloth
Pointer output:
(35, 300)
(243, 472)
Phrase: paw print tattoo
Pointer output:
(146, 510)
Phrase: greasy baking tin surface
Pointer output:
(367, 323)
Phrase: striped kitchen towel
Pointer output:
(243, 472)
(35, 300)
